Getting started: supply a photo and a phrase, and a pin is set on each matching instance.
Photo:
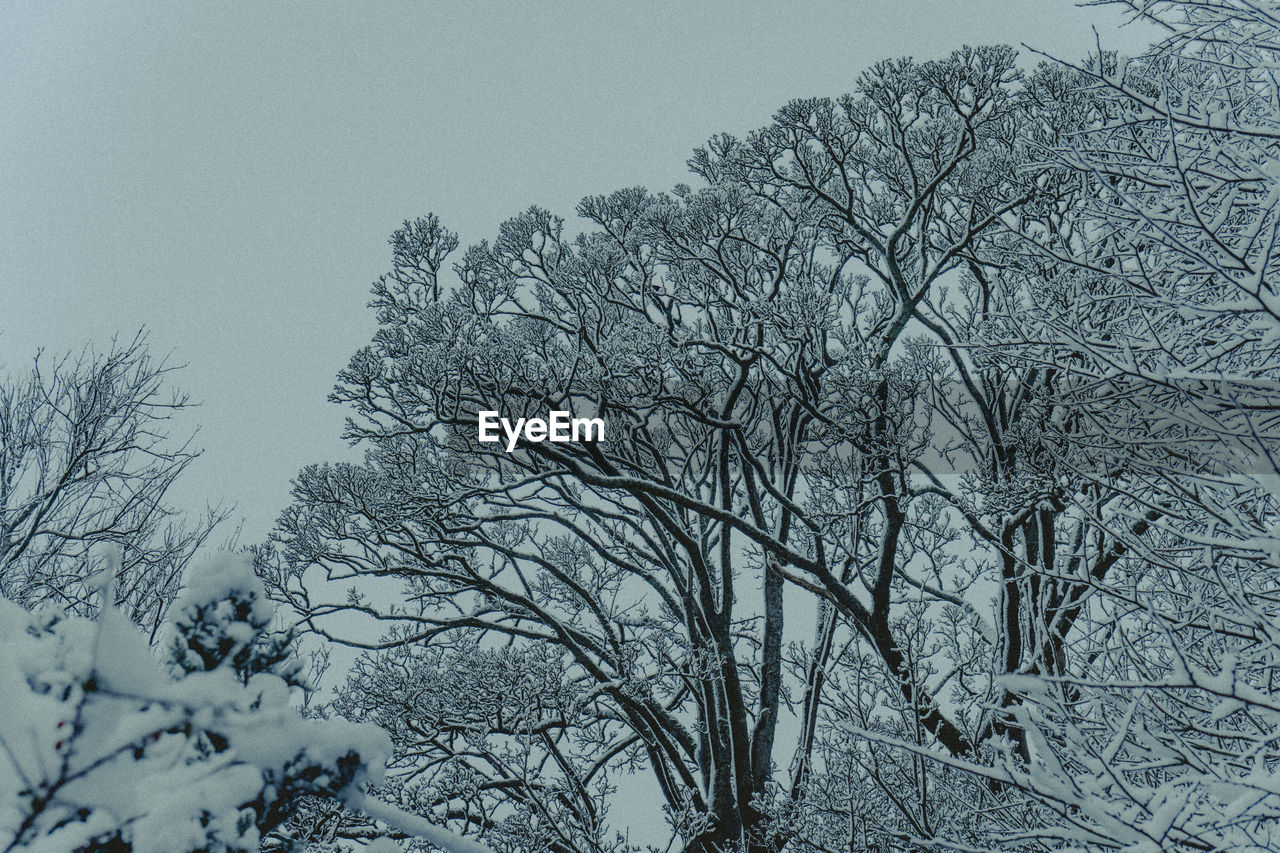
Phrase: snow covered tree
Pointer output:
(1153, 725)
(501, 739)
(976, 367)
(749, 345)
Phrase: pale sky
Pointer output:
(227, 174)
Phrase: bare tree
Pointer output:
(85, 460)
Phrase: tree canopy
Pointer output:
(937, 503)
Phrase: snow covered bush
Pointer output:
(222, 619)
(103, 746)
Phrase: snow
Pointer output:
(415, 825)
(98, 735)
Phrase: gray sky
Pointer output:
(227, 174)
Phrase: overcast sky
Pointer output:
(227, 174)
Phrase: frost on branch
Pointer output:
(102, 745)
